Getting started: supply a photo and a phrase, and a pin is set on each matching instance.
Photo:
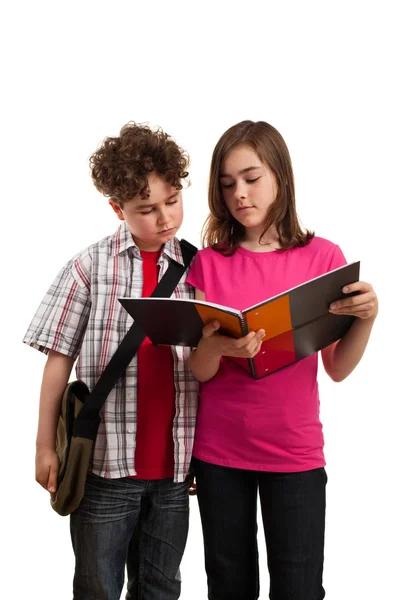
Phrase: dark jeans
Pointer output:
(293, 511)
(142, 525)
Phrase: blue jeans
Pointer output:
(142, 525)
(293, 512)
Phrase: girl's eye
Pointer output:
(230, 185)
(172, 202)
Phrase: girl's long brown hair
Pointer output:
(224, 232)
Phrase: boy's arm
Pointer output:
(55, 378)
(204, 361)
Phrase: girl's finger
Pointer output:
(350, 302)
(368, 306)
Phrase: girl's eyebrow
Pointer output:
(240, 172)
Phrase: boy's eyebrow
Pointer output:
(147, 205)
(240, 172)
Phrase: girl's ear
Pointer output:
(117, 209)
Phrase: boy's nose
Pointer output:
(164, 217)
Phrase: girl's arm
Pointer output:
(205, 359)
(55, 378)
(341, 358)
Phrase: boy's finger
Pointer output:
(192, 489)
(52, 482)
(42, 481)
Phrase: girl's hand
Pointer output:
(364, 305)
(221, 345)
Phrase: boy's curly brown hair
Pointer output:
(121, 165)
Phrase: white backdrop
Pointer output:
(325, 74)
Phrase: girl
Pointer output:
(263, 435)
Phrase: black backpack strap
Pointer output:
(128, 348)
(188, 252)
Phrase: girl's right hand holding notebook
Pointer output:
(204, 362)
(222, 345)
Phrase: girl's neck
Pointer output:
(269, 242)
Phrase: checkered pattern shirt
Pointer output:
(80, 316)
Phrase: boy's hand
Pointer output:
(364, 305)
(192, 485)
(47, 466)
(222, 345)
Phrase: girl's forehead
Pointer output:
(240, 157)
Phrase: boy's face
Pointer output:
(155, 219)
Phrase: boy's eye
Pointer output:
(148, 212)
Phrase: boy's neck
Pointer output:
(148, 247)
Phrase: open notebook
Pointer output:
(297, 322)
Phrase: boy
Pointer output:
(142, 452)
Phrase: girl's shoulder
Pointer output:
(206, 251)
(322, 253)
(209, 255)
(320, 244)
(317, 246)
(206, 263)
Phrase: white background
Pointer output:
(326, 75)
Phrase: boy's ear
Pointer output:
(117, 209)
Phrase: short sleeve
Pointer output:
(61, 319)
(338, 259)
(196, 275)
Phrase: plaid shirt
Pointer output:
(81, 317)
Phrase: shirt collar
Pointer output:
(122, 240)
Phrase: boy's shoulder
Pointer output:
(110, 245)
(94, 258)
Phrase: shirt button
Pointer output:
(130, 429)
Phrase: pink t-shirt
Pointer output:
(269, 424)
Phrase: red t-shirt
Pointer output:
(154, 454)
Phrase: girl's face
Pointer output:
(248, 186)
